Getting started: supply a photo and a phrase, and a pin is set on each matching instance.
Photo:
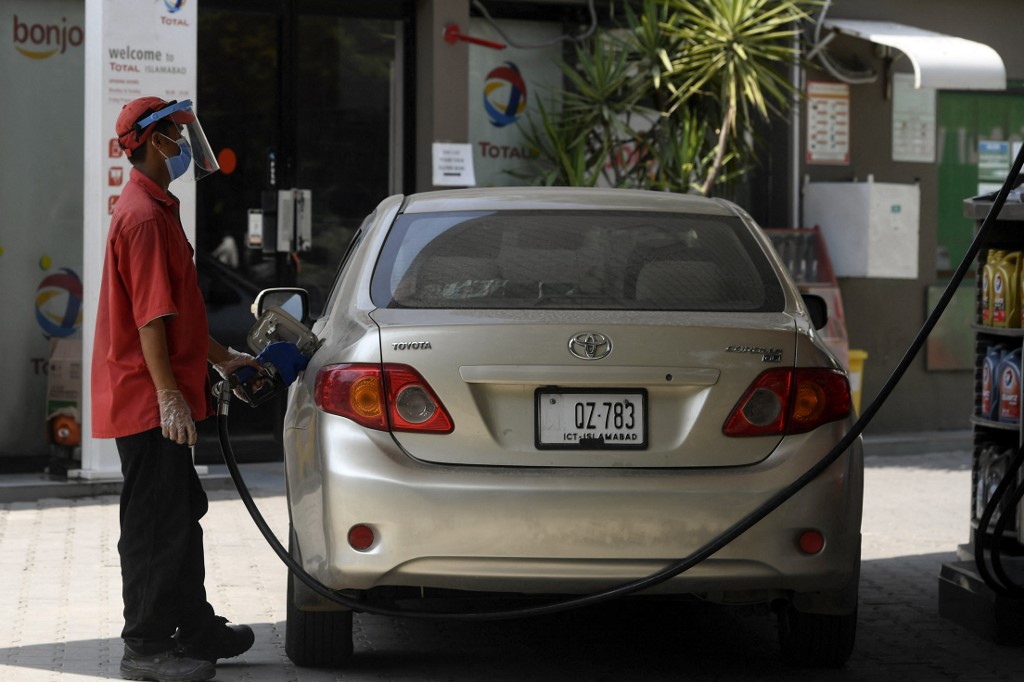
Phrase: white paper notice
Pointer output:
(828, 123)
(453, 165)
(913, 121)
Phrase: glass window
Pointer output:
(310, 108)
(343, 131)
(574, 260)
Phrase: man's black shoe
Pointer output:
(166, 666)
(220, 640)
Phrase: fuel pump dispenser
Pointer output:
(281, 229)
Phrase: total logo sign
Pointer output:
(504, 103)
(59, 302)
(504, 95)
(173, 7)
(37, 40)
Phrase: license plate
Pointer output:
(591, 420)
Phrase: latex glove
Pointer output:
(176, 417)
(235, 361)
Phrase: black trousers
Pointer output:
(161, 546)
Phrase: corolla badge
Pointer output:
(590, 346)
(767, 354)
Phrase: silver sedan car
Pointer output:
(541, 392)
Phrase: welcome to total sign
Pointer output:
(148, 48)
(134, 48)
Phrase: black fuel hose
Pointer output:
(988, 546)
(682, 565)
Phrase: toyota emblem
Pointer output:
(590, 346)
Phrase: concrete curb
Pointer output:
(260, 478)
(918, 442)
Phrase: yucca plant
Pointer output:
(734, 52)
(670, 99)
(581, 135)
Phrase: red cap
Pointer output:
(128, 135)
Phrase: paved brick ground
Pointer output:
(60, 604)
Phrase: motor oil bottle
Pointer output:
(987, 275)
(992, 466)
(990, 381)
(1006, 292)
(1009, 387)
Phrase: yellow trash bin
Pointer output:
(857, 358)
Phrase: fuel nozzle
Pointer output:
(280, 364)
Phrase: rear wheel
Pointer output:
(820, 640)
(316, 639)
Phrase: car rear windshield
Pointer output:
(574, 260)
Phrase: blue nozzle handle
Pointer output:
(284, 356)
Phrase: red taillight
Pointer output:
(412, 404)
(381, 397)
(782, 401)
(352, 391)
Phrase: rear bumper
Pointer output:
(536, 530)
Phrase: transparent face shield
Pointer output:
(203, 160)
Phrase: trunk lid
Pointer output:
(658, 399)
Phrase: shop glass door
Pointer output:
(290, 98)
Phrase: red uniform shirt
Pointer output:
(148, 273)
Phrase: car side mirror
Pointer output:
(817, 308)
(292, 300)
